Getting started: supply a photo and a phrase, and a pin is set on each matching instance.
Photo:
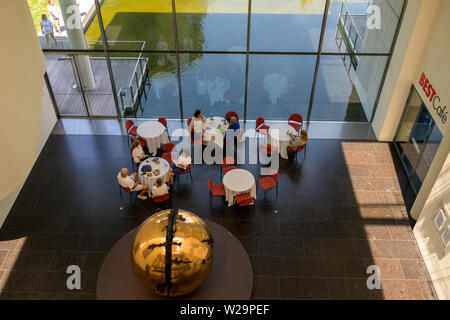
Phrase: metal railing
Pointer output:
(135, 87)
(348, 34)
(129, 94)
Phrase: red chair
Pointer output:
(127, 190)
(268, 183)
(267, 150)
(296, 121)
(188, 170)
(231, 114)
(299, 149)
(215, 190)
(261, 127)
(189, 121)
(244, 199)
(168, 156)
(142, 142)
(227, 169)
(162, 198)
(168, 147)
(131, 128)
(228, 161)
(163, 121)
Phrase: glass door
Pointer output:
(417, 140)
(64, 83)
(81, 85)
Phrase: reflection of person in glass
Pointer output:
(47, 29)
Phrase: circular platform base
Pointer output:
(231, 276)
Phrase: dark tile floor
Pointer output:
(341, 210)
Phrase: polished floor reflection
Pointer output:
(341, 210)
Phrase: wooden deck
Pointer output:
(100, 100)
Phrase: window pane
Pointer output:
(213, 83)
(346, 89)
(146, 84)
(427, 157)
(279, 85)
(419, 133)
(219, 25)
(132, 24)
(286, 25)
(414, 106)
(350, 28)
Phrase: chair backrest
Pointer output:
(274, 174)
(162, 198)
(168, 156)
(128, 125)
(163, 121)
(244, 199)
(228, 161)
(142, 142)
(189, 121)
(209, 182)
(296, 117)
(259, 122)
(231, 114)
(125, 189)
(168, 147)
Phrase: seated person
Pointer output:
(131, 182)
(181, 164)
(159, 189)
(234, 129)
(138, 153)
(297, 141)
(198, 117)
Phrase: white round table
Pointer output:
(150, 181)
(154, 133)
(212, 133)
(279, 138)
(238, 181)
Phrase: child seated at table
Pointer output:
(180, 165)
(296, 140)
(159, 189)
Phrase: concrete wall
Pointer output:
(412, 44)
(28, 116)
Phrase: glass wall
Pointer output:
(257, 57)
(417, 140)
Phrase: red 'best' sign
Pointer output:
(431, 93)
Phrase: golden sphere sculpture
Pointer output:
(171, 253)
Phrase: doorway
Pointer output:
(417, 140)
(65, 74)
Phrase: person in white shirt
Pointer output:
(181, 164)
(55, 14)
(131, 182)
(138, 153)
(196, 125)
(47, 29)
(159, 189)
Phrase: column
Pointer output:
(75, 33)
